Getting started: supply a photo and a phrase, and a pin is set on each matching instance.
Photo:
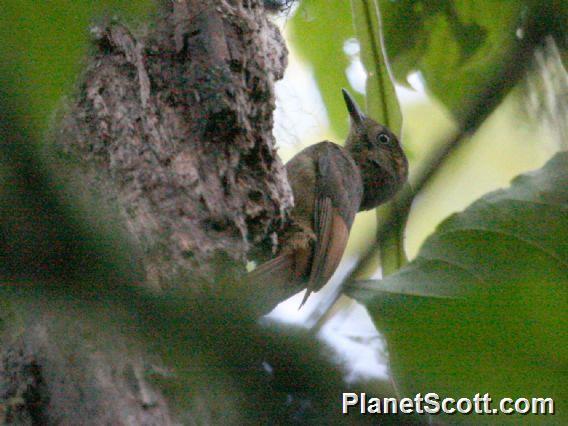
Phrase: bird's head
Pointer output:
(379, 155)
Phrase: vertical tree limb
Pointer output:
(177, 120)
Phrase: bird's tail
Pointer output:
(306, 295)
(282, 274)
(279, 269)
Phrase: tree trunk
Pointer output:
(172, 123)
(178, 119)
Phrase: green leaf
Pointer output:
(458, 46)
(484, 306)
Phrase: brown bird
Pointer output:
(331, 184)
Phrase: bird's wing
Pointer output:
(332, 235)
(331, 229)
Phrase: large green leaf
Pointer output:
(484, 306)
(457, 45)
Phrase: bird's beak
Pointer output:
(354, 111)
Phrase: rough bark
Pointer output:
(176, 122)
(173, 124)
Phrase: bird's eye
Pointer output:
(383, 138)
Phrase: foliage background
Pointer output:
(444, 56)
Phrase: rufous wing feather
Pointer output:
(331, 239)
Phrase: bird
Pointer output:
(330, 183)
